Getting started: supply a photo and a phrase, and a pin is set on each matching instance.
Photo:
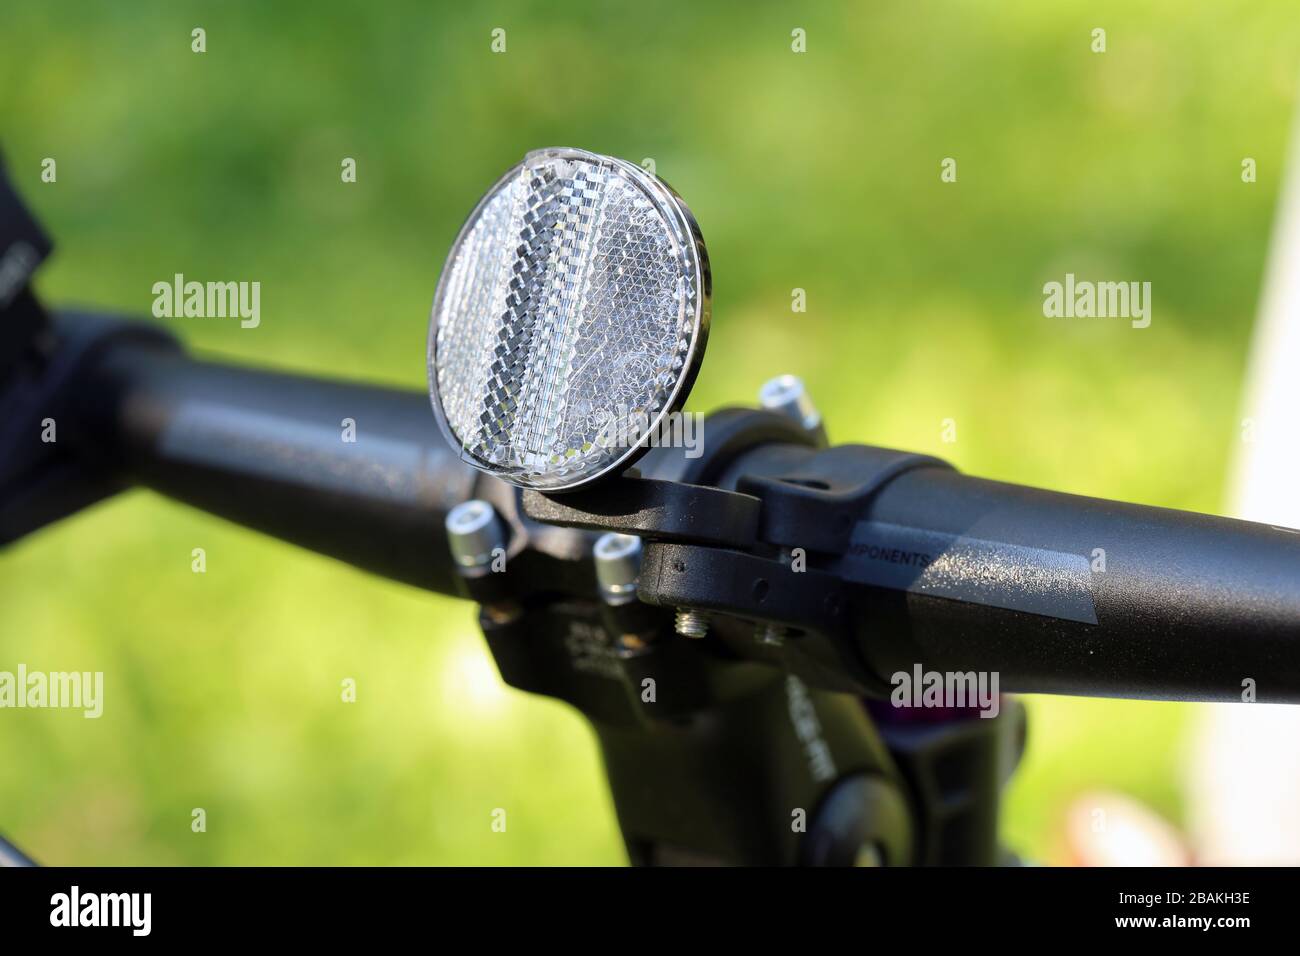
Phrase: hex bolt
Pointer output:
(618, 562)
(786, 395)
(691, 623)
(473, 532)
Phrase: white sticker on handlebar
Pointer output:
(1031, 580)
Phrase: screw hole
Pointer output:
(810, 483)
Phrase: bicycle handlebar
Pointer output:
(1066, 594)
(273, 451)
(1057, 593)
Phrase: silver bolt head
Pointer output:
(787, 395)
(473, 532)
(618, 562)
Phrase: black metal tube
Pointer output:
(1056, 593)
(274, 452)
(1065, 594)
(1184, 606)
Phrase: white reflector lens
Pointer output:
(570, 318)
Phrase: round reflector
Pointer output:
(569, 321)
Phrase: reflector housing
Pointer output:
(569, 319)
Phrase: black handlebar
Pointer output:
(1186, 606)
(1065, 594)
(1055, 592)
(353, 471)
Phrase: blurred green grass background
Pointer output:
(818, 171)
